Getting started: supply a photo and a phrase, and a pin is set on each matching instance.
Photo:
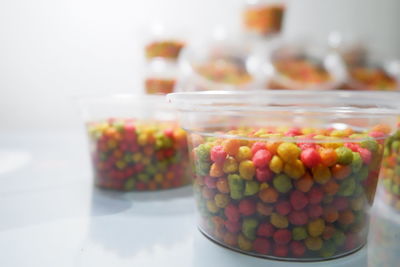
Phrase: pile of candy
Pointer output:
(159, 85)
(288, 193)
(225, 71)
(301, 71)
(169, 49)
(264, 19)
(135, 155)
(390, 172)
(365, 78)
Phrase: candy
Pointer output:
(236, 186)
(298, 200)
(164, 49)
(262, 158)
(276, 164)
(264, 19)
(279, 221)
(262, 245)
(138, 155)
(288, 152)
(282, 183)
(159, 85)
(283, 197)
(247, 207)
(282, 236)
(249, 227)
(247, 169)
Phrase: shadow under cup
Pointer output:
(285, 175)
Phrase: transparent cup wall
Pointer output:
(135, 143)
(390, 173)
(281, 184)
(263, 17)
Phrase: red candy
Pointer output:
(232, 213)
(218, 154)
(298, 200)
(365, 154)
(297, 248)
(282, 236)
(257, 146)
(261, 158)
(210, 182)
(247, 207)
(280, 251)
(310, 157)
(265, 230)
(283, 207)
(354, 147)
(314, 211)
(315, 195)
(263, 175)
(298, 217)
(233, 227)
(262, 245)
(340, 203)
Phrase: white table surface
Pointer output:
(50, 215)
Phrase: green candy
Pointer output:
(344, 155)
(338, 238)
(396, 189)
(129, 185)
(357, 162)
(395, 146)
(249, 227)
(397, 170)
(203, 152)
(236, 186)
(328, 249)
(299, 233)
(347, 187)
(251, 188)
(362, 174)
(143, 177)
(202, 167)
(282, 183)
(370, 144)
(118, 125)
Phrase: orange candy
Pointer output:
(330, 214)
(264, 209)
(269, 195)
(216, 170)
(273, 147)
(231, 146)
(340, 171)
(328, 232)
(346, 217)
(222, 185)
(230, 239)
(331, 187)
(305, 183)
(328, 157)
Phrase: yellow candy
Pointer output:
(316, 228)
(230, 165)
(276, 164)
(294, 169)
(243, 153)
(247, 169)
(221, 200)
(212, 207)
(321, 174)
(244, 243)
(279, 221)
(158, 178)
(288, 151)
(313, 243)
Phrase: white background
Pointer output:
(51, 49)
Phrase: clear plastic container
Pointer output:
(282, 174)
(264, 17)
(227, 64)
(298, 65)
(135, 142)
(161, 76)
(390, 172)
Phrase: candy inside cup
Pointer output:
(285, 175)
(135, 143)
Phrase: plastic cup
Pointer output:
(135, 142)
(282, 174)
